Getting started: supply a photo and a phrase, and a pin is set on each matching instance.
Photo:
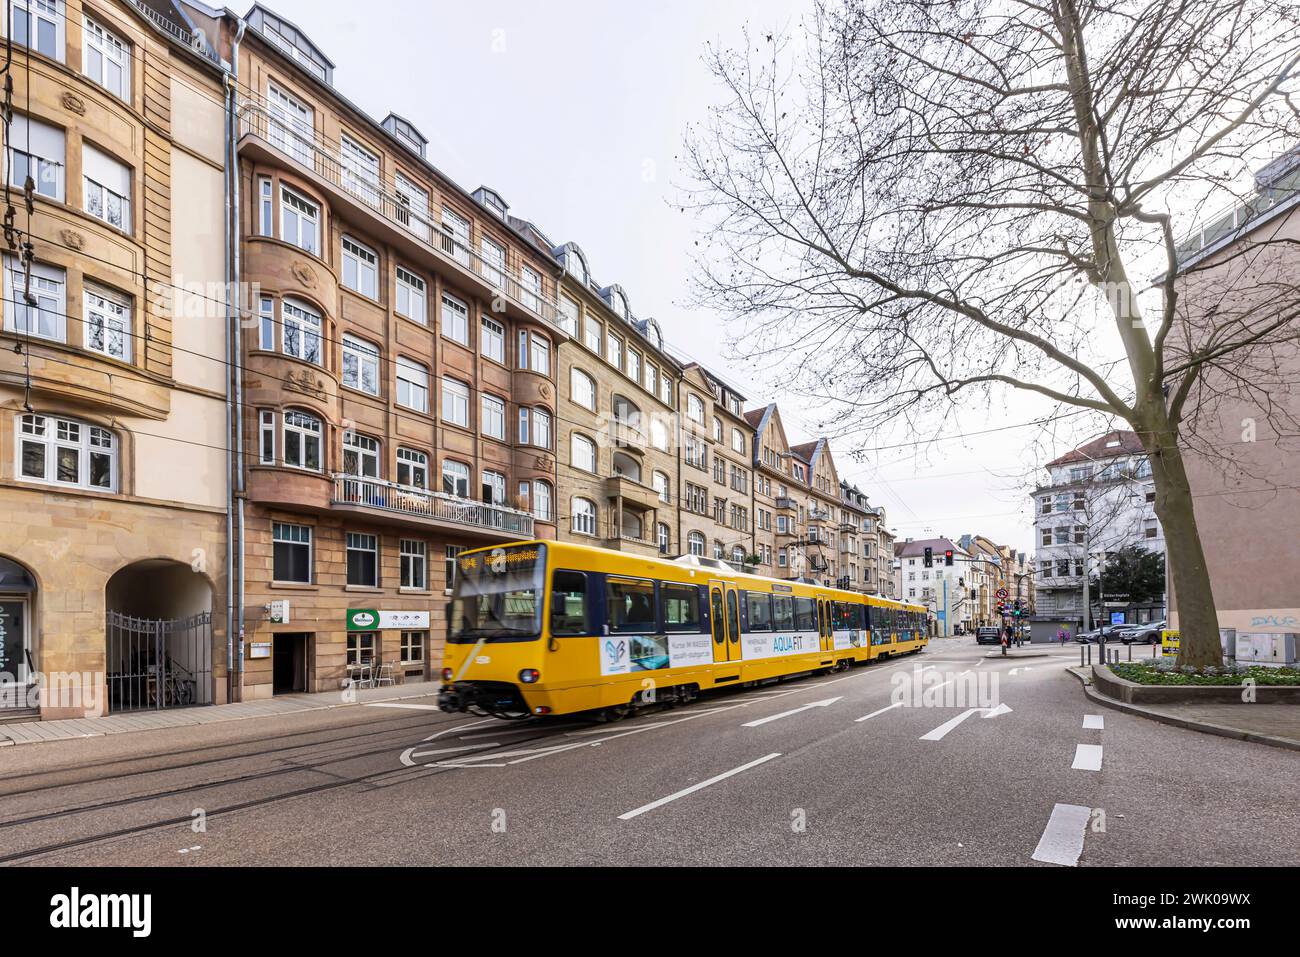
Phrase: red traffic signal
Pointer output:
(947, 557)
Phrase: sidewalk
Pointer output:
(33, 732)
(1277, 725)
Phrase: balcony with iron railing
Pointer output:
(388, 499)
(425, 227)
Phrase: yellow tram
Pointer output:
(551, 628)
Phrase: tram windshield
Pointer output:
(498, 594)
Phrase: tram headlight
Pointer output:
(530, 676)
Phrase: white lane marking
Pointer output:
(1062, 840)
(398, 704)
(1087, 757)
(696, 787)
(938, 733)
(1094, 721)
(1020, 668)
(825, 703)
(405, 757)
(867, 717)
(468, 747)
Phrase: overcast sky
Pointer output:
(575, 112)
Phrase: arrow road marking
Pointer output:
(825, 703)
(1021, 668)
(1062, 840)
(938, 733)
(696, 787)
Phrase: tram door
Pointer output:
(824, 621)
(724, 610)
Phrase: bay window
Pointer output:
(108, 322)
(63, 451)
(302, 441)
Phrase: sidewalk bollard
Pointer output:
(1081, 656)
(1130, 652)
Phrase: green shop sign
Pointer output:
(363, 619)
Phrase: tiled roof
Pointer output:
(1100, 448)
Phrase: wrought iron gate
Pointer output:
(158, 663)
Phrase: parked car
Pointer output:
(1143, 634)
(1111, 632)
(988, 636)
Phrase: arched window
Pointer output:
(584, 516)
(582, 388)
(66, 452)
(659, 481)
(694, 408)
(582, 453)
(626, 466)
(717, 429)
(626, 413)
(659, 434)
(718, 551)
(412, 468)
(302, 440)
(738, 441)
(738, 556)
(665, 538)
(300, 331)
(360, 455)
(695, 543)
(542, 501)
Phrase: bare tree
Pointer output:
(922, 202)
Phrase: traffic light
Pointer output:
(947, 557)
(929, 556)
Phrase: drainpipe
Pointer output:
(230, 465)
(237, 366)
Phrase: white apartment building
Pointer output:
(1099, 498)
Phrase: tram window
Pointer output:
(681, 604)
(760, 611)
(782, 613)
(629, 605)
(733, 616)
(715, 603)
(569, 603)
(805, 614)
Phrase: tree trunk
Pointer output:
(1198, 622)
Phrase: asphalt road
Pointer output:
(824, 770)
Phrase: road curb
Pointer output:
(1204, 727)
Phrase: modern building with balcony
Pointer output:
(399, 372)
(113, 377)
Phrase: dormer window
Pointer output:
(574, 263)
(409, 136)
(290, 41)
(492, 201)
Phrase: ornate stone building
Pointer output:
(400, 358)
(112, 382)
(616, 425)
(717, 481)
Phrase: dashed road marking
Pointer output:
(1087, 757)
(697, 787)
(1062, 840)
(1094, 721)
(866, 717)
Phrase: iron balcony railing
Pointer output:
(195, 41)
(446, 240)
(404, 500)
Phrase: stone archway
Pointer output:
(18, 652)
(158, 636)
